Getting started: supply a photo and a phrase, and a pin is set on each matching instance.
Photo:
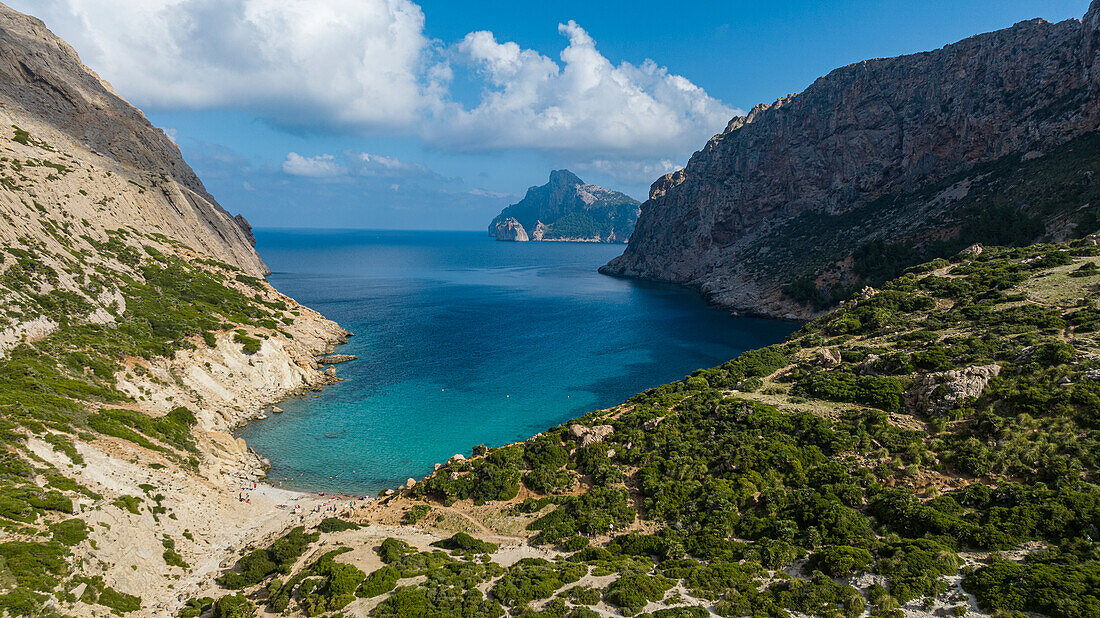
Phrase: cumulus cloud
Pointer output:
(331, 62)
(320, 166)
(584, 104)
(367, 66)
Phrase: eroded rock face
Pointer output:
(764, 201)
(935, 393)
(510, 229)
(50, 93)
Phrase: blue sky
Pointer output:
(435, 115)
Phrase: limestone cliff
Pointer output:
(121, 168)
(567, 209)
(882, 164)
(510, 229)
(135, 333)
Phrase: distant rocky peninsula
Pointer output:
(567, 209)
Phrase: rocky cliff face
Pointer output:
(127, 292)
(510, 229)
(567, 209)
(124, 162)
(879, 160)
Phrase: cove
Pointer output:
(463, 340)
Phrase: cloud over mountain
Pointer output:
(584, 104)
(368, 66)
(343, 62)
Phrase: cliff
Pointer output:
(880, 165)
(567, 209)
(130, 172)
(135, 333)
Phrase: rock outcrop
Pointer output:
(137, 175)
(567, 209)
(882, 164)
(510, 229)
(107, 232)
(935, 393)
(586, 436)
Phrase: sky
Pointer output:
(391, 114)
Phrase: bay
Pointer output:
(463, 340)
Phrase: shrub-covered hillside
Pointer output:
(933, 438)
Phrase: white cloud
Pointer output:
(305, 62)
(367, 164)
(586, 104)
(358, 164)
(630, 171)
(320, 166)
(367, 66)
(493, 194)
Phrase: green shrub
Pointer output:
(462, 542)
(379, 582)
(35, 566)
(335, 524)
(249, 345)
(69, 532)
(840, 560)
(234, 606)
(261, 563)
(1054, 589)
(416, 512)
(535, 578)
(121, 602)
(633, 592)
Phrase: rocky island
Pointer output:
(567, 209)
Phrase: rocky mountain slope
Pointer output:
(567, 209)
(140, 178)
(883, 164)
(135, 333)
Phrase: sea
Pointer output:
(463, 340)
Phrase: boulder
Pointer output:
(585, 436)
(935, 393)
(828, 357)
(330, 371)
(331, 359)
(410, 483)
(456, 458)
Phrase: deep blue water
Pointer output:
(464, 340)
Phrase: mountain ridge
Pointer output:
(52, 94)
(881, 129)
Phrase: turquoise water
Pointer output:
(463, 340)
